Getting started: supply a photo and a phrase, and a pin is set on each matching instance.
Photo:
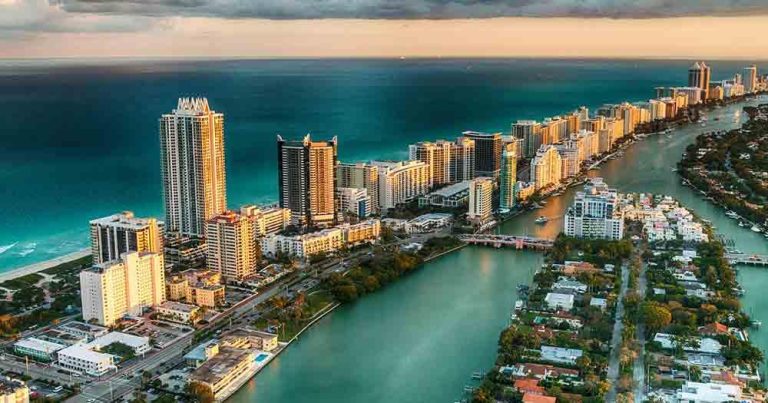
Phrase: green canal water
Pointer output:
(421, 339)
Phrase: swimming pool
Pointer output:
(261, 357)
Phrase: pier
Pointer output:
(744, 258)
(499, 241)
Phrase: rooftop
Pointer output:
(118, 337)
(179, 306)
(39, 345)
(86, 354)
(218, 367)
(125, 220)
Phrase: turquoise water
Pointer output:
(80, 141)
(420, 339)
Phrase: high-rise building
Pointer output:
(508, 176)
(119, 233)
(401, 181)
(193, 169)
(529, 132)
(232, 247)
(449, 162)
(699, 76)
(750, 79)
(480, 200)
(360, 175)
(306, 171)
(487, 153)
(595, 213)
(111, 290)
(546, 167)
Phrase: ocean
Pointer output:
(80, 139)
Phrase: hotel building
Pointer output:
(232, 249)
(699, 76)
(480, 200)
(595, 213)
(508, 176)
(487, 153)
(750, 79)
(529, 132)
(306, 179)
(267, 221)
(111, 290)
(546, 167)
(193, 170)
(353, 201)
(400, 182)
(119, 233)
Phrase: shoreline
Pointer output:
(40, 266)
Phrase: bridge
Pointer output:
(499, 241)
(744, 258)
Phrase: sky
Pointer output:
(685, 29)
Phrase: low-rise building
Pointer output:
(82, 329)
(202, 353)
(225, 372)
(364, 232)
(455, 195)
(178, 312)
(38, 349)
(81, 359)
(559, 301)
(698, 392)
(560, 355)
(429, 222)
(303, 246)
(139, 344)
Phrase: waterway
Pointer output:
(422, 338)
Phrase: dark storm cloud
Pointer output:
(434, 9)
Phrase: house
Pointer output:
(560, 355)
(695, 392)
(713, 329)
(539, 371)
(601, 303)
(559, 301)
(565, 284)
(531, 398)
(529, 385)
(706, 345)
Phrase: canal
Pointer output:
(422, 338)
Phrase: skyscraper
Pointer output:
(194, 177)
(119, 233)
(232, 248)
(487, 153)
(546, 168)
(508, 176)
(699, 76)
(750, 79)
(449, 162)
(306, 172)
(529, 131)
(480, 200)
(595, 213)
(111, 290)
(360, 175)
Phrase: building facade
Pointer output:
(480, 200)
(114, 289)
(306, 175)
(546, 168)
(360, 175)
(487, 153)
(400, 182)
(193, 169)
(232, 248)
(699, 76)
(119, 233)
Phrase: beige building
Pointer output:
(119, 233)
(400, 182)
(306, 173)
(232, 249)
(199, 287)
(267, 221)
(366, 231)
(303, 246)
(546, 168)
(114, 289)
(193, 169)
(449, 162)
(360, 175)
(176, 288)
(223, 373)
(480, 200)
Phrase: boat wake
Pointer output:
(5, 248)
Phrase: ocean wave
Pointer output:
(5, 248)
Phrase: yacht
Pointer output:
(731, 214)
(541, 220)
(756, 228)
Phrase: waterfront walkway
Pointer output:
(517, 242)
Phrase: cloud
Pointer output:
(412, 9)
(18, 17)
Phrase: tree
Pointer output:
(655, 316)
(200, 393)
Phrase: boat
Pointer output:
(742, 224)
(731, 214)
(756, 323)
(756, 228)
(541, 220)
(519, 304)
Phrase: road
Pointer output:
(639, 368)
(618, 326)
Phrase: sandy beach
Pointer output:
(36, 267)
